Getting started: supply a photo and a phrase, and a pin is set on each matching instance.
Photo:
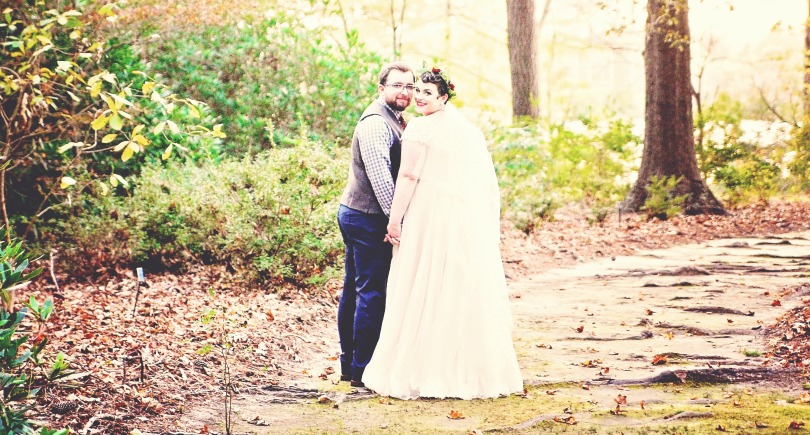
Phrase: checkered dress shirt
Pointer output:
(375, 137)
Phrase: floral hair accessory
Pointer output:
(451, 88)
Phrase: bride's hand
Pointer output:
(394, 233)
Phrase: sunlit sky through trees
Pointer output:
(586, 66)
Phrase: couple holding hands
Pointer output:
(424, 310)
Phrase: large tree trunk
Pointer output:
(669, 143)
(522, 58)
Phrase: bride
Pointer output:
(447, 325)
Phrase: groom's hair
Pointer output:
(399, 66)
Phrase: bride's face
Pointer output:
(426, 96)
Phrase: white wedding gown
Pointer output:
(447, 325)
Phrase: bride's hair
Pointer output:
(439, 78)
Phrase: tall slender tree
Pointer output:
(669, 143)
(522, 44)
(806, 89)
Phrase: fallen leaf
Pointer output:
(586, 387)
(455, 415)
(796, 424)
(385, 400)
(543, 346)
(804, 398)
(620, 399)
(324, 399)
(641, 404)
(270, 316)
(649, 312)
(721, 428)
(551, 392)
(659, 359)
(669, 335)
(730, 320)
(776, 303)
(567, 420)
(580, 328)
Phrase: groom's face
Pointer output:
(398, 89)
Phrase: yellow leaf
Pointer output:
(104, 189)
(194, 112)
(147, 88)
(159, 128)
(137, 129)
(99, 123)
(72, 95)
(67, 182)
(167, 153)
(95, 89)
(141, 140)
(109, 138)
(65, 147)
(127, 154)
(218, 132)
(75, 34)
(116, 123)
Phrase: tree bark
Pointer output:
(669, 143)
(806, 89)
(522, 45)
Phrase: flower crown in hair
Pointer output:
(451, 88)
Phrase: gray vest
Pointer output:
(358, 194)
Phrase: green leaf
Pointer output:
(116, 123)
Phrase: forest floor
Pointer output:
(159, 366)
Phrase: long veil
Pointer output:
(471, 175)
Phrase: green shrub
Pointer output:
(743, 170)
(660, 202)
(540, 169)
(270, 218)
(18, 357)
(799, 165)
(271, 80)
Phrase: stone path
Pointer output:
(700, 306)
(582, 335)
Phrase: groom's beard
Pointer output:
(398, 103)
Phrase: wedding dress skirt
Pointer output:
(447, 325)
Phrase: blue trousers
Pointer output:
(360, 313)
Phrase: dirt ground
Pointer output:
(161, 369)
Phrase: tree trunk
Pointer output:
(669, 143)
(806, 89)
(522, 58)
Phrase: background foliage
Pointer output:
(241, 152)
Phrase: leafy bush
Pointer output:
(17, 356)
(271, 80)
(660, 202)
(745, 170)
(72, 114)
(270, 218)
(539, 170)
(799, 164)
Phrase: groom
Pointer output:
(363, 217)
